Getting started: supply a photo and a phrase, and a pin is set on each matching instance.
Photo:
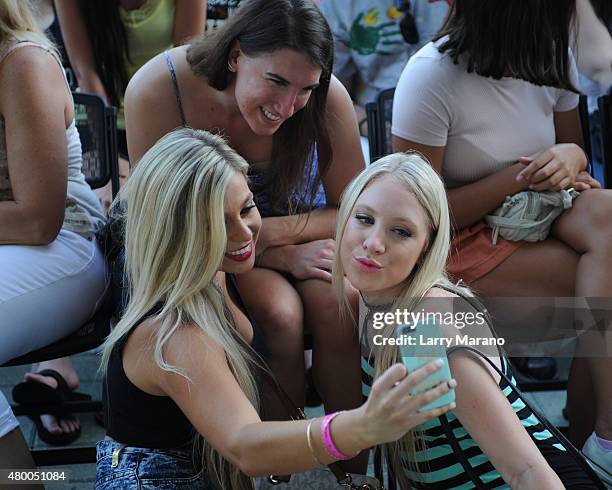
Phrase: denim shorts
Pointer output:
(126, 467)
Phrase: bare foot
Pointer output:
(67, 423)
(60, 425)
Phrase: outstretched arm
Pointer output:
(260, 448)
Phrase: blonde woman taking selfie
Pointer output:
(179, 365)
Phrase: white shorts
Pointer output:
(46, 292)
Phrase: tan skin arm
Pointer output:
(37, 108)
(493, 189)
(518, 460)
(567, 127)
(78, 47)
(260, 448)
(189, 20)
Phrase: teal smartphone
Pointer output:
(420, 344)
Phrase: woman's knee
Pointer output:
(273, 301)
(281, 318)
(320, 301)
(322, 311)
(595, 207)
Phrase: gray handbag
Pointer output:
(529, 215)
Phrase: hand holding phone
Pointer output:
(425, 347)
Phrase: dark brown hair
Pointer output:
(526, 39)
(264, 26)
(109, 45)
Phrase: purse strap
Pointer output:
(296, 413)
(569, 447)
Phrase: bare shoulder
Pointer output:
(30, 65)
(29, 56)
(151, 84)
(150, 107)
(31, 80)
(187, 340)
(191, 344)
(338, 99)
(188, 348)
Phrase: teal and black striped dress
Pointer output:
(439, 466)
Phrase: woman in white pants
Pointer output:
(52, 273)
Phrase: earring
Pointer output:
(230, 67)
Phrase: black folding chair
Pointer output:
(378, 115)
(96, 124)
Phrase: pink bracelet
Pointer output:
(328, 442)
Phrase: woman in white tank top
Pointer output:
(52, 272)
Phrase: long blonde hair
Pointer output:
(419, 178)
(17, 21)
(175, 241)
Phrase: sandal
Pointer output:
(61, 439)
(36, 393)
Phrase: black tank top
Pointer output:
(139, 419)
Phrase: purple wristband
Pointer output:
(328, 442)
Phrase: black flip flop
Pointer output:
(36, 393)
(61, 439)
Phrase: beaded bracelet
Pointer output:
(328, 442)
